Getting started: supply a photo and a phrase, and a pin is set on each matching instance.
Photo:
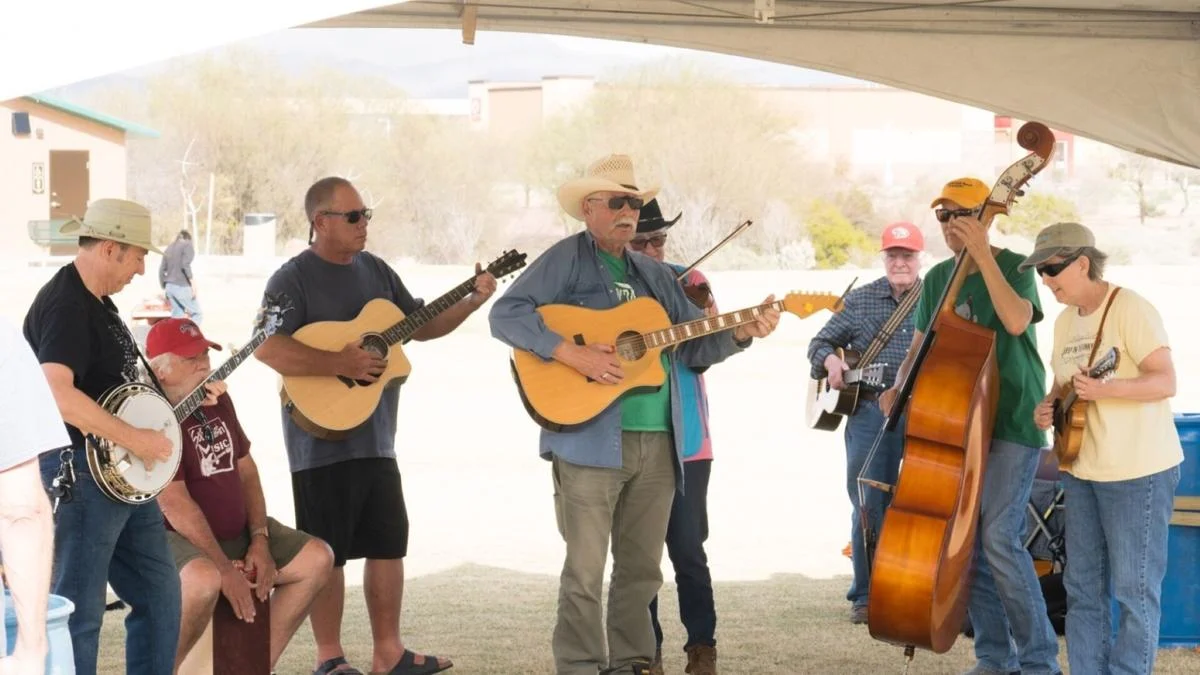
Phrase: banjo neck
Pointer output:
(192, 401)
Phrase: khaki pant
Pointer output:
(633, 504)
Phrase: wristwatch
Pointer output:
(262, 530)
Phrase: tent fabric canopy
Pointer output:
(1124, 72)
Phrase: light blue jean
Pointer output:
(1116, 547)
(98, 541)
(183, 302)
(861, 430)
(1007, 609)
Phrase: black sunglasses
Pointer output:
(1054, 269)
(615, 203)
(658, 241)
(944, 215)
(351, 217)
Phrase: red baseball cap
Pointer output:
(181, 337)
(903, 235)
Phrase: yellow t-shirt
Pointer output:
(1123, 439)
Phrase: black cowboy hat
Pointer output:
(650, 219)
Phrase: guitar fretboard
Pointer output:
(701, 327)
(403, 330)
(193, 400)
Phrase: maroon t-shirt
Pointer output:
(210, 467)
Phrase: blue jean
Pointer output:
(1116, 547)
(861, 430)
(687, 531)
(98, 541)
(183, 302)
(1007, 608)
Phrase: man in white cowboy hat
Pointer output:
(616, 475)
(85, 349)
(687, 528)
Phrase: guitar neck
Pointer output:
(403, 331)
(884, 336)
(700, 327)
(193, 400)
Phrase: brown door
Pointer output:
(68, 183)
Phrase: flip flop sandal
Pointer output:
(330, 667)
(408, 665)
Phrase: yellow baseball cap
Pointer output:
(968, 193)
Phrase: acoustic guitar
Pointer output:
(557, 396)
(321, 404)
(1070, 414)
(827, 406)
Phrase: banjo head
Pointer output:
(124, 475)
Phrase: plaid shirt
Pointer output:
(867, 309)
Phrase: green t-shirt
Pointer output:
(1022, 373)
(642, 410)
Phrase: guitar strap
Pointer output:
(1100, 330)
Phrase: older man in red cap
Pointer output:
(867, 309)
(216, 515)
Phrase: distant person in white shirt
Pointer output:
(32, 425)
(175, 277)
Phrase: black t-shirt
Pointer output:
(68, 325)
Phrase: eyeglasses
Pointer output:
(1054, 269)
(615, 203)
(351, 217)
(657, 241)
(944, 215)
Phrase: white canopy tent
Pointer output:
(1125, 72)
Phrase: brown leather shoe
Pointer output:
(702, 660)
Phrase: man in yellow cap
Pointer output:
(86, 349)
(1007, 609)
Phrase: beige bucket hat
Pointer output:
(613, 173)
(117, 220)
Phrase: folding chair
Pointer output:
(1045, 539)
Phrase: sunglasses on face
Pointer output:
(615, 203)
(944, 215)
(1054, 269)
(351, 217)
(657, 241)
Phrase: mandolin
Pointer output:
(557, 396)
(923, 562)
(1070, 415)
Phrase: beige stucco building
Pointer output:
(55, 158)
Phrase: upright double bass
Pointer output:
(920, 580)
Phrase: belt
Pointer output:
(868, 395)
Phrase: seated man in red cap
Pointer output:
(216, 515)
(867, 309)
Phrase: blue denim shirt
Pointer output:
(570, 272)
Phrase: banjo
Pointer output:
(120, 474)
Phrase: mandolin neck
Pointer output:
(700, 327)
(403, 331)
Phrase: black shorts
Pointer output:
(357, 506)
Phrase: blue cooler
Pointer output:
(60, 657)
(1180, 625)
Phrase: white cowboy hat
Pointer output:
(613, 173)
(117, 220)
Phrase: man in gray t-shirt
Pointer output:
(348, 491)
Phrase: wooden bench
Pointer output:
(231, 646)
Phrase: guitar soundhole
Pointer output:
(631, 346)
(374, 344)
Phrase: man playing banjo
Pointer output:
(85, 349)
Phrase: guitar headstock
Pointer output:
(1107, 365)
(270, 314)
(506, 264)
(872, 375)
(805, 305)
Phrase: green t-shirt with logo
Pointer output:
(641, 410)
(1022, 373)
